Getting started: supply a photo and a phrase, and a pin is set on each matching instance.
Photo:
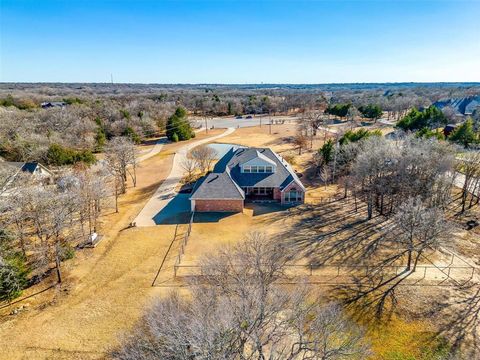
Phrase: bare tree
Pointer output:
(46, 220)
(420, 228)
(469, 168)
(204, 157)
(387, 172)
(189, 165)
(238, 312)
(300, 140)
(90, 188)
(121, 161)
(314, 119)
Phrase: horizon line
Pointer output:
(240, 84)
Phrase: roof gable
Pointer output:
(217, 186)
(259, 159)
(232, 161)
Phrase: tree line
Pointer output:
(42, 222)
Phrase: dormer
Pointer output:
(258, 164)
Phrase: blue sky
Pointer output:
(232, 41)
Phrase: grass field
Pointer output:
(106, 289)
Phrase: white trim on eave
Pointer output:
(296, 182)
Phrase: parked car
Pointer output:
(239, 117)
(249, 117)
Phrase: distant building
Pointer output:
(448, 129)
(252, 174)
(462, 106)
(33, 168)
(50, 104)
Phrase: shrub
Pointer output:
(67, 252)
(416, 120)
(427, 133)
(464, 134)
(175, 137)
(22, 104)
(73, 100)
(59, 155)
(338, 109)
(371, 111)
(354, 136)
(129, 132)
(13, 274)
(100, 139)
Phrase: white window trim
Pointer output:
(259, 169)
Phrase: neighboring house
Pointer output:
(462, 106)
(448, 129)
(34, 168)
(38, 171)
(50, 104)
(247, 174)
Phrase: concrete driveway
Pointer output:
(155, 150)
(150, 214)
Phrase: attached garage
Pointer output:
(218, 205)
(217, 192)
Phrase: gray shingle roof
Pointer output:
(283, 175)
(23, 166)
(217, 186)
(226, 181)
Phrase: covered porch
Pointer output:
(259, 194)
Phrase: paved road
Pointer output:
(224, 122)
(166, 191)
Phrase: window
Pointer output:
(258, 169)
(293, 196)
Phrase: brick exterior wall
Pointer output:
(288, 188)
(277, 194)
(219, 205)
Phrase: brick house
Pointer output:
(247, 174)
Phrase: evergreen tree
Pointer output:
(326, 151)
(371, 111)
(354, 136)
(464, 134)
(178, 124)
(416, 120)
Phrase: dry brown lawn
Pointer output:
(105, 289)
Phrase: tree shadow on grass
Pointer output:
(339, 234)
(460, 319)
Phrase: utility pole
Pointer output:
(206, 125)
(111, 78)
(270, 130)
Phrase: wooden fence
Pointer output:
(183, 244)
